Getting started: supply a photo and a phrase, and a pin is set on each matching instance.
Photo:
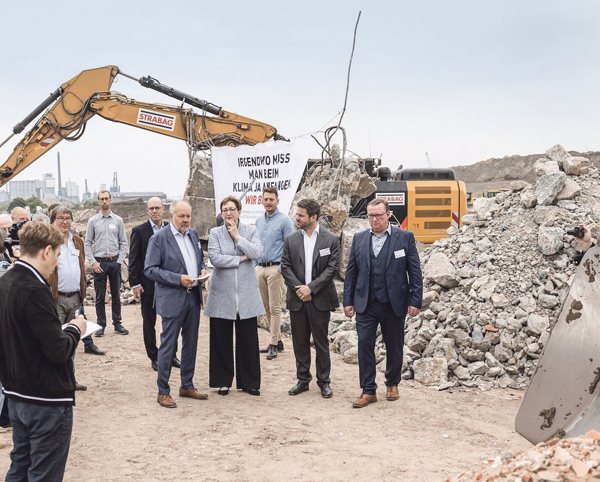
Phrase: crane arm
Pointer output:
(88, 94)
(199, 131)
(65, 119)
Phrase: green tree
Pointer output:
(33, 202)
(17, 202)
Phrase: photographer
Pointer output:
(583, 236)
(5, 260)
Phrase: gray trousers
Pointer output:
(187, 323)
(67, 306)
(41, 438)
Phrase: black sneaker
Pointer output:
(120, 329)
(100, 332)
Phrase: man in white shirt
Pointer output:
(309, 264)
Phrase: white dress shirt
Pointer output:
(186, 246)
(309, 250)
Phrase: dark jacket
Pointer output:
(404, 279)
(138, 246)
(165, 265)
(325, 263)
(36, 364)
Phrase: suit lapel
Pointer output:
(367, 249)
(300, 248)
(196, 241)
(175, 247)
(393, 239)
(318, 246)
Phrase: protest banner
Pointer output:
(244, 172)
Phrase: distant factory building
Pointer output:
(145, 195)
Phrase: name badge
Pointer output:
(112, 226)
(399, 253)
(324, 252)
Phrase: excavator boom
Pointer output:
(88, 94)
(65, 119)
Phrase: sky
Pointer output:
(463, 81)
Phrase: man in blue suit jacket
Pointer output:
(174, 261)
(383, 283)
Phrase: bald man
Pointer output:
(143, 288)
(19, 215)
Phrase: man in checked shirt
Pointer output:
(105, 250)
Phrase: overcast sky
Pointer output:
(463, 80)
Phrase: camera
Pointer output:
(577, 231)
(13, 237)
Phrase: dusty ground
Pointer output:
(120, 433)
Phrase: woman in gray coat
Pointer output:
(234, 298)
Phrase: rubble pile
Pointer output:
(335, 185)
(493, 289)
(572, 459)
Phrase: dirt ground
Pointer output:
(120, 432)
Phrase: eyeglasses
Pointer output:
(62, 220)
(230, 210)
(376, 216)
(155, 208)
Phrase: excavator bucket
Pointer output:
(562, 397)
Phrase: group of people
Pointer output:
(255, 267)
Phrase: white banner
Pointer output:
(277, 164)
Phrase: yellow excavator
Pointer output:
(67, 110)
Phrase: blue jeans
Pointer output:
(41, 438)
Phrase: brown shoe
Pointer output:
(391, 393)
(79, 387)
(364, 400)
(165, 401)
(192, 393)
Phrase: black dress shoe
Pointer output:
(155, 365)
(93, 350)
(100, 332)
(272, 352)
(223, 391)
(119, 328)
(176, 363)
(326, 391)
(298, 388)
(280, 347)
(254, 391)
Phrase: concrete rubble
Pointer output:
(572, 459)
(493, 289)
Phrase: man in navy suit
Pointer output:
(383, 283)
(143, 288)
(174, 261)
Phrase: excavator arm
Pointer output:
(68, 109)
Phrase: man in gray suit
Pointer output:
(309, 263)
(174, 261)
